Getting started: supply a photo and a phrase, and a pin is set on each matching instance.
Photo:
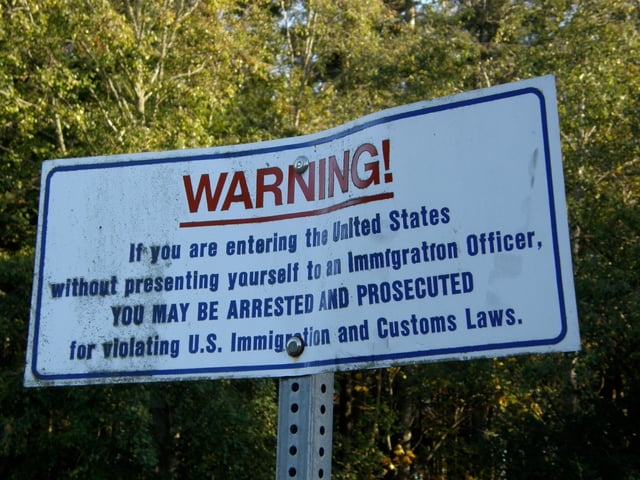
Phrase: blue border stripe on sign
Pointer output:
(317, 140)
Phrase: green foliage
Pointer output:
(99, 77)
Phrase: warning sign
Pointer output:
(432, 231)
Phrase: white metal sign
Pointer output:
(431, 231)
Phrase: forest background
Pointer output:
(97, 77)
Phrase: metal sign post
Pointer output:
(305, 427)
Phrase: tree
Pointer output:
(100, 78)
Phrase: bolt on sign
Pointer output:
(431, 231)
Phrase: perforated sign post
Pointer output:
(426, 232)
